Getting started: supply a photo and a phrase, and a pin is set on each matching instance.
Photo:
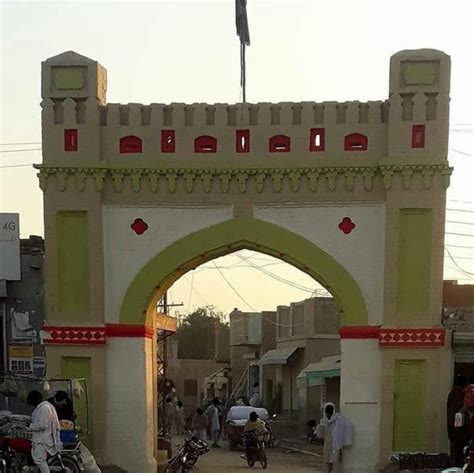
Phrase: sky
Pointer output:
(188, 52)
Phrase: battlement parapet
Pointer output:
(411, 124)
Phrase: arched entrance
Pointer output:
(164, 269)
(155, 277)
(358, 203)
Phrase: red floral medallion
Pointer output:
(346, 225)
(139, 226)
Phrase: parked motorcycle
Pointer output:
(188, 455)
(15, 457)
(255, 449)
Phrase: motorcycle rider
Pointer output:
(257, 426)
(46, 431)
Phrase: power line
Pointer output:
(275, 276)
(461, 257)
(460, 234)
(197, 292)
(233, 288)
(462, 210)
(463, 153)
(458, 222)
(191, 290)
(19, 150)
(21, 143)
(456, 264)
(469, 247)
(17, 166)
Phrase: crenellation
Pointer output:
(352, 114)
(413, 121)
(135, 115)
(157, 115)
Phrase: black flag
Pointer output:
(241, 21)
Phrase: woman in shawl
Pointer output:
(336, 432)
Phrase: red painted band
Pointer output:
(366, 331)
(77, 328)
(74, 342)
(130, 331)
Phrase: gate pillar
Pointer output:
(131, 395)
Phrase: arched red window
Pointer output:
(279, 144)
(168, 141)
(356, 142)
(130, 144)
(205, 144)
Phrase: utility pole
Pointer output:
(161, 355)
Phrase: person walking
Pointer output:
(170, 414)
(199, 424)
(336, 432)
(213, 414)
(458, 436)
(179, 418)
(46, 431)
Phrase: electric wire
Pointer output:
(233, 288)
(456, 264)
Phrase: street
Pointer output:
(278, 462)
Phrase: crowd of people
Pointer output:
(460, 417)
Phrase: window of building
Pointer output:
(190, 387)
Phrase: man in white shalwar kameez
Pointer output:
(336, 432)
(46, 431)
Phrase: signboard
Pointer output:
(39, 366)
(19, 350)
(10, 247)
(165, 322)
(21, 358)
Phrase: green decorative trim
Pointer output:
(73, 265)
(243, 232)
(262, 177)
(414, 263)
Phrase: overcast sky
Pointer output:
(188, 52)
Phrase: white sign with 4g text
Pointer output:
(10, 247)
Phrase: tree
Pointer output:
(196, 334)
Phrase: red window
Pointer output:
(279, 144)
(316, 139)
(70, 140)
(418, 136)
(130, 144)
(168, 142)
(242, 141)
(356, 142)
(205, 144)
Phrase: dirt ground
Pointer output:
(223, 460)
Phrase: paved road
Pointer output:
(223, 460)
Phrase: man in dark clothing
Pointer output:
(63, 406)
(458, 436)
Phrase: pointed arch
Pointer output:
(240, 233)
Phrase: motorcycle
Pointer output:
(468, 461)
(15, 455)
(188, 455)
(255, 449)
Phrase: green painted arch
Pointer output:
(217, 240)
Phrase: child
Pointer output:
(199, 424)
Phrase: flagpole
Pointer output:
(244, 78)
